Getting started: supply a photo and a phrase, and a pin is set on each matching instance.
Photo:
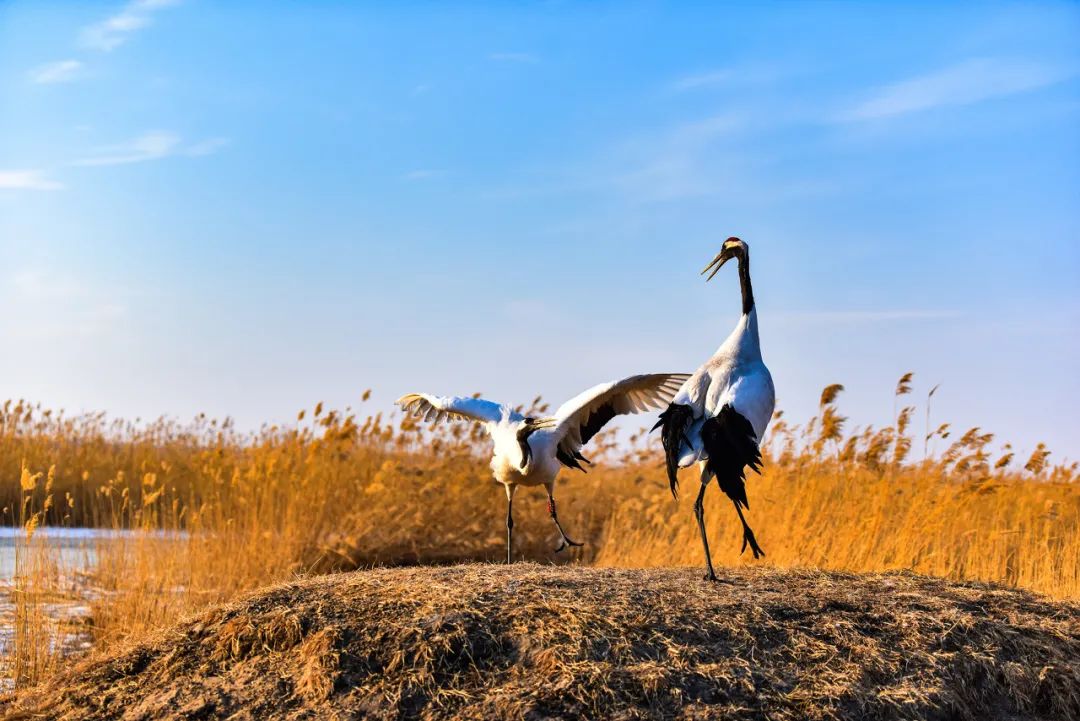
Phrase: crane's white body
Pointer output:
(735, 375)
(507, 455)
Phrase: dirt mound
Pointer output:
(537, 642)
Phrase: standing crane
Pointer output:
(719, 415)
(531, 451)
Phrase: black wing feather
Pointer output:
(592, 425)
(597, 420)
(570, 460)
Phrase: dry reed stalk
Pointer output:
(218, 513)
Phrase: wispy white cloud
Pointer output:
(206, 147)
(526, 58)
(151, 145)
(424, 174)
(674, 163)
(115, 30)
(864, 316)
(27, 180)
(61, 71)
(35, 285)
(966, 83)
(530, 310)
(702, 80)
(754, 74)
(52, 304)
(103, 36)
(685, 160)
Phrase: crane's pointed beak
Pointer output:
(716, 264)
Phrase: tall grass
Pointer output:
(218, 512)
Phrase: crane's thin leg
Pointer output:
(748, 535)
(566, 542)
(699, 513)
(510, 522)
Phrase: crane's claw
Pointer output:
(566, 543)
(713, 578)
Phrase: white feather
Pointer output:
(735, 375)
(629, 395)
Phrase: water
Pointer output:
(74, 548)
(75, 553)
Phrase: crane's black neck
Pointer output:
(523, 434)
(744, 283)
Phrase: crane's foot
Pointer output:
(749, 540)
(713, 578)
(566, 543)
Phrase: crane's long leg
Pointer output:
(748, 535)
(566, 542)
(510, 489)
(699, 513)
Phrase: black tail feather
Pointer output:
(674, 422)
(731, 443)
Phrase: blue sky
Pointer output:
(244, 208)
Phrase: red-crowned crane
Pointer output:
(719, 415)
(532, 451)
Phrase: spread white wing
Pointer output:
(582, 417)
(436, 408)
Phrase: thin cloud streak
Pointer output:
(704, 80)
(148, 146)
(966, 83)
(52, 305)
(27, 180)
(206, 147)
(424, 174)
(112, 32)
(671, 163)
(151, 145)
(865, 316)
(676, 164)
(61, 71)
(745, 75)
(525, 58)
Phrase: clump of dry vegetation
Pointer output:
(529, 641)
(216, 512)
(857, 502)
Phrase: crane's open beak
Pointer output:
(717, 263)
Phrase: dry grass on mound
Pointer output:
(531, 642)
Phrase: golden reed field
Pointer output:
(221, 512)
